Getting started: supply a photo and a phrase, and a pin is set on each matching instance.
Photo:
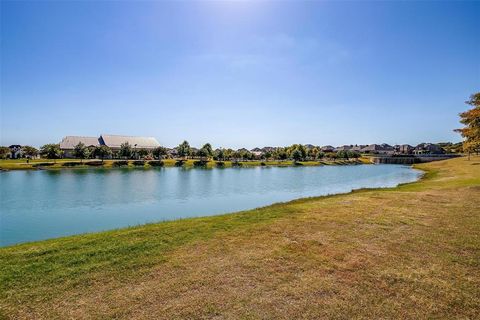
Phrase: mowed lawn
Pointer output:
(408, 252)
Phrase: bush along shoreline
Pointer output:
(55, 164)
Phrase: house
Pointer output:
(172, 153)
(357, 148)
(68, 144)
(404, 149)
(343, 148)
(15, 151)
(257, 152)
(327, 148)
(378, 149)
(268, 149)
(114, 142)
(428, 148)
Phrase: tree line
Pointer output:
(184, 151)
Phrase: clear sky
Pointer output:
(238, 74)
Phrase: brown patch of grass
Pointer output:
(407, 252)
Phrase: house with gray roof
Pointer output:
(428, 148)
(327, 148)
(114, 142)
(68, 143)
(378, 149)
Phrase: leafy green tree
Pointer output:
(160, 152)
(281, 154)
(80, 151)
(268, 155)
(471, 120)
(296, 155)
(125, 150)
(247, 155)
(4, 152)
(29, 152)
(353, 154)
(220, 154)
(51, 151)
(342, 154)
(228, 154)
(91, 152)
(102, 152)
(237, 155)
(143, 153)
(300, 148)
(183, 149)
(206, 151)
(312, 153)
(320, 155)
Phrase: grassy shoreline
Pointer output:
(50, 164)
(407, 252)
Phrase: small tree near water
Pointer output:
(160, 152)
(51, 151)
(80, 151)
(29, 152)
(4, 152)
(125, 150)
(102, 152)
(183, 149)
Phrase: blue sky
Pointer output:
(238, 73)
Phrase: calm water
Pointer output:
(45, 204)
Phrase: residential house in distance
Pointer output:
(357, 148)
(378, 149)
(15, 151)
(343, 148)
(428, 148)
(68, 144)
(114, 142)
(257, 152)
(404, 149)
(327, 148)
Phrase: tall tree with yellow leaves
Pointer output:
(471, 120)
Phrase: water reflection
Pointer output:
(50, 203)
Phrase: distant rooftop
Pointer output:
(115, 141)
(69, 142)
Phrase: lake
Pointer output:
(44, 204)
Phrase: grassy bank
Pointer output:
(406, 252)
(22, 164)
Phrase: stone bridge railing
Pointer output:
(410, 159)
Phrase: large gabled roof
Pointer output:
(115, 141)
(69, 142)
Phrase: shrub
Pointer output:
(43, 164)
(179, 163)
(138, 163)
(156, 163)
(263, 163)
(94, 163)
(71, 164)
(236, 164)
(220, 164)
(120, 163)
(200, 163)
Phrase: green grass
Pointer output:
(406, 252)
